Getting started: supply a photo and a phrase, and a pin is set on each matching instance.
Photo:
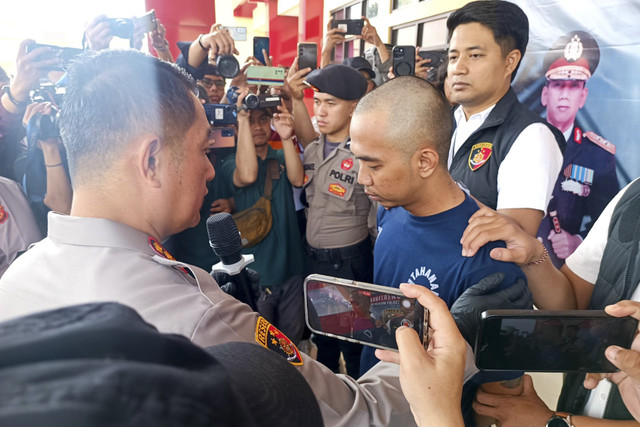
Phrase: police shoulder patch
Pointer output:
(271, 338)
(479, 155)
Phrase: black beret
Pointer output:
(338, 80)
(574, 56)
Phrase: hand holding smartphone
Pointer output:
(550, 341)
(361, 312)
(260, 44)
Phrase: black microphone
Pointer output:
(224, 238)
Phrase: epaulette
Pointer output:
(601, 142)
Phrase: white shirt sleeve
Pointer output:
(529, 171)
(585, 260)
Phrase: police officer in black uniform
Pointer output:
(587, 180)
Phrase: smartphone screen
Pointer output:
(307, 55)
(550, 341)
(404, 60)
(361, 312)
(260, 43)
(239, 34)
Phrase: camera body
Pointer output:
(45, 126)
(220, 115)
(121, 27)
(258, 102)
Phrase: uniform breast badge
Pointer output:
(479, 155)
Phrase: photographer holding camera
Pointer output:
(279, 255)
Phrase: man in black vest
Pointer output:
(602, 271)
(505, 155)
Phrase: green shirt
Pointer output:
(280, 255)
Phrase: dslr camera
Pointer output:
(45, 126)
(258, 102)
(121, 27)
(220, 115)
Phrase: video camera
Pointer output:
(220, 115)
(258, 102)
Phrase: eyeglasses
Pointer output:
(208, 83)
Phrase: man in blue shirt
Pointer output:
(401, 134)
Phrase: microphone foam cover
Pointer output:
(224, 236)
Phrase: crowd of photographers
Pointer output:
(267, 146)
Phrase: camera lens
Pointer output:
(252, 101)
(228, 66)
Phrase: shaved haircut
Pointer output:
(417, 115)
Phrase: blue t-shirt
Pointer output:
(427, 251)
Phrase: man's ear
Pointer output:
(428, 159)
(148, 159)
(544, 97)
(512, 60)
(353, 108)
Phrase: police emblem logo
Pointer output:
(347, 164)
(573, 49)
(479, 155)
(306, 179)
(271, 338)
(159, 249)
(4, 215)
(337, 189)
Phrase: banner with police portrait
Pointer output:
(579, 72)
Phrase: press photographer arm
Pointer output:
(283, 122)
(246, 172)
(58, 192)
(31, 67)
(217, 42)
(301, 121)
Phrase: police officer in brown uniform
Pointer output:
(587, 179)
(337, 236)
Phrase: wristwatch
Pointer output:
(560, 419)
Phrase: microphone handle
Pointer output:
(245, 292)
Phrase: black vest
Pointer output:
(618, 278)
(501, 128)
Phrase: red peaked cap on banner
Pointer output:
(574, 56)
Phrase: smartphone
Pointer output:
(404, 60)
(220, 115)
(260, 43)
(239, 34)
(437, 57)
(224, 137)
(307, 55)
(361, 312)
(63, 54)
(550, 340)
(147, 22)
(270, 76)
(349, 26)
